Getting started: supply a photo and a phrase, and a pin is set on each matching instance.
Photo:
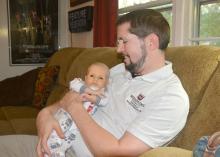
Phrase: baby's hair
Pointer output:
(102, 65)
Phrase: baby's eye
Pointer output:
(101, 78)
(91, 75)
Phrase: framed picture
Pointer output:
(33, 31)
(80, 20)
(77, 2)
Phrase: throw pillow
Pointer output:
(45, 81)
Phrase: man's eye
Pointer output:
(122, 41)
(125, 41)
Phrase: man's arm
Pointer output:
(99, 141)
(45, 124)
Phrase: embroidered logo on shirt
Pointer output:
(140, 97)
(135, 102)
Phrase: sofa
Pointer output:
(197, 66)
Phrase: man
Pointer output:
(147, 106)
(145, 111)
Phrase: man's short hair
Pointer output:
(146, 21)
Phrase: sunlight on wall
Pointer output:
(3, 32)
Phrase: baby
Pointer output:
(93, 93)
(208, 146)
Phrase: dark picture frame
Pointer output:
(77, 2)
(33, 31)
(81, 19)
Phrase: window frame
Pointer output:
(143, 5)
(195, 39)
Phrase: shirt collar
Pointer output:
(159, 74)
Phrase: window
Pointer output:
(128, 3)
(166, 11)
(206, 29)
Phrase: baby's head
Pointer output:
(97, 75)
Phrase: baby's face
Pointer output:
(97, 76)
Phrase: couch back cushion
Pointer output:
(205, 120)
(64, 58)
(56, 94)
(195, 66)
(88, 56)
(18, 90)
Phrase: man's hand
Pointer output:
(214, 140)
(45, 124)
(70, 100)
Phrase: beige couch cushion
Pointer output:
(18, 120)
(18, 126)
(168, 152)
(194, 65)
(206, 119)
(24, 126)
(18, 112)
(6, 127)
(56, 94)
(64, 59)
(2, 114)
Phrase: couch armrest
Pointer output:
(168, 152)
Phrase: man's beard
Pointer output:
(134, 67)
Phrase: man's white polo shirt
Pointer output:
(152, 107)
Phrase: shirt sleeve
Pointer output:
(77, 85)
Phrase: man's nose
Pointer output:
(120, 47)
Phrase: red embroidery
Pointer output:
(90, 108)
(140, 97)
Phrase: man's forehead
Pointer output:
(123, 30)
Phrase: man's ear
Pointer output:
(152, 41)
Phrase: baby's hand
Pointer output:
(89, 97)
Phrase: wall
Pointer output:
(64, 39)
(84, 39)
